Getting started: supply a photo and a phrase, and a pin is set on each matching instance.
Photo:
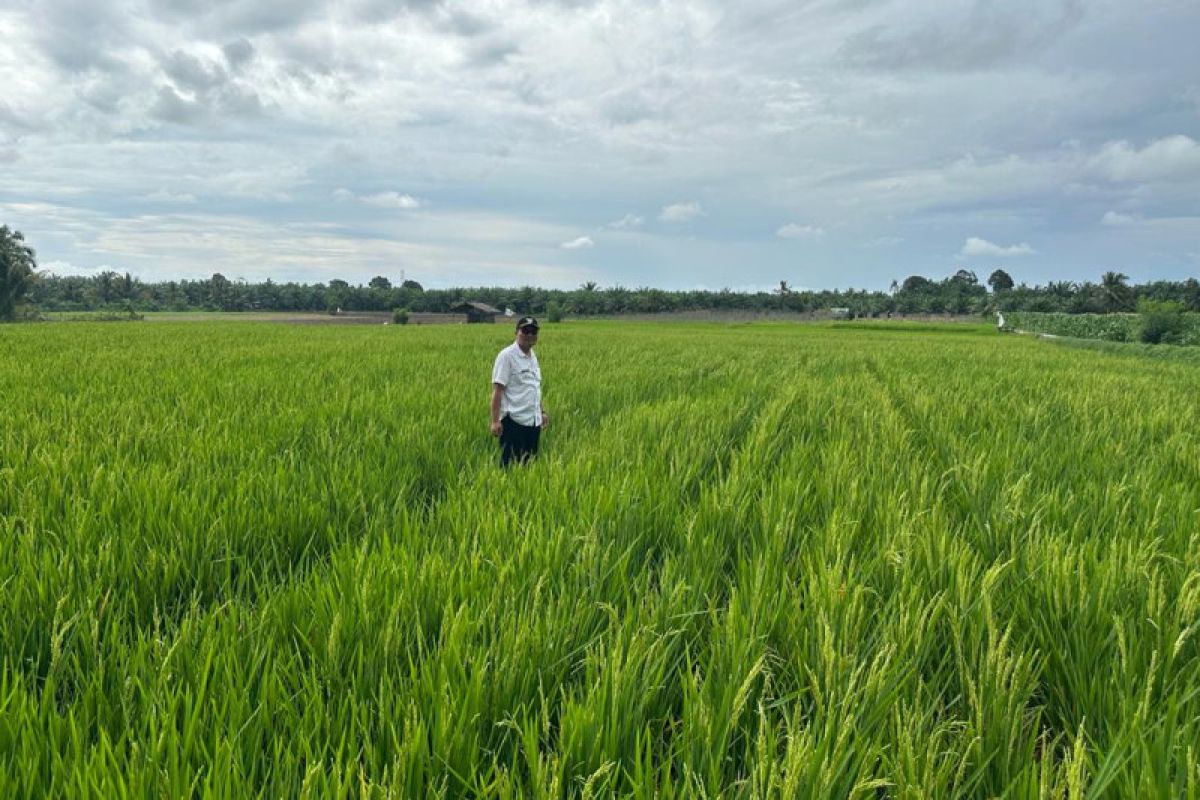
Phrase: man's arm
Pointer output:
(497, 393)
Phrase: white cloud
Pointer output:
(974, 246)
(964, 181)
(343, 195)
(61, 268)
(681, 212)
(1171, 158)
(583, 242)
(65, 268)
(794, 231)
(1114, 219)
(165, 196)
(627, 222)
(442, 249)
(392, 200)
(1182, 226)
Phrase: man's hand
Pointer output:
(497, 402)
(545, 419)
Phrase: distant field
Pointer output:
(309, 317)
(379, 317)
(755, 560)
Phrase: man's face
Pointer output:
(527, 336)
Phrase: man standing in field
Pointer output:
(517, 413)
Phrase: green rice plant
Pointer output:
(768, 560)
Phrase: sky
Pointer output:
(682, 144)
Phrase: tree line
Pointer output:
(960, 293)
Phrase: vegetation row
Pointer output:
(1158, 323)
(960, 294)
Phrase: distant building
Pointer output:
(839, 313)
(476, 312)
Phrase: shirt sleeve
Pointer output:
(501, 369)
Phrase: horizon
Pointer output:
(685, 147)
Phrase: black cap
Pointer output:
(527, 321)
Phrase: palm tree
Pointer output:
(17, 264)
(783, 291)
(1114, 292)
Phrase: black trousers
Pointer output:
(517, 442)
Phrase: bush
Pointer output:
(1162, 322)
(554, 311)
(400, 316)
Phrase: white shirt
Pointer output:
(521, 378)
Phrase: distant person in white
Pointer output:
(518, 416)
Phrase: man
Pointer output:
(517, 413)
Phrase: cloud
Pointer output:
(1181, 227)
(171, 106)
(243, 16)
(65, 268)
(190, 72)
(200, 96)
(1170, 158)
(627, 222)
(391, 200)
(11, 121)
(974, 246)
(238, 52)
(908, 119)
(681, 212)
(78, 36)
(582, 243)
(794, 231)
(165, 196)
(990, 34)
(1114, 219)
(446, 250)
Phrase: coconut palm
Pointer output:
(1114, 292)
(17, 265)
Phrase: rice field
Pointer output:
(761, 560)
